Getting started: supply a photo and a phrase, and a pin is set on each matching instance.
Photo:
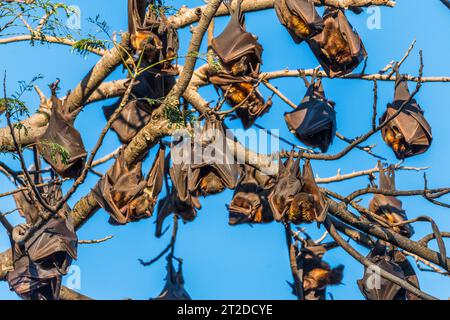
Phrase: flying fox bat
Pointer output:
(249, 203)
(146, 96)
(152, 33)
(409, 133)
(62, 133)
(338, 47)
(239, 55)
(295, 196)
(388, 206)
(314, 120)
(43, 259)
(317, 274)
(125, 194)
(394, 262)
(213, 173)
(171, 204)
(174, 287)
(300, 18)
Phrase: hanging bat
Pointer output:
(147, 94)
(62, 133)
(239, 55)
(409, 133)
(296, 197)
(142, 206)
(171, 204)
(125, 194)
(317, 274)
(288, 185)
(174, 287)
(213, 173)
(320, 205)
(249, 203)
(29, 207)
(394, 262)
(388, 206)
(300, 18)
(338, 47)
(151, 33)
(43, 259)
(314, 120)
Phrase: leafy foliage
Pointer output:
(55, 149)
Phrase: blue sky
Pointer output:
(243, 262)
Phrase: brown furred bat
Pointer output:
(249, 203)
(125, 194)
(174, 287)
(314, 120)
(296, 197)
(210, 174)
(171, 204)
(152, 34)
(239, 55)
(375, 287)
(338, 47)
(390, 207)
(409, 133)
(153, 85)
(61, 133)
(316, 274)
(300, 18)
(42, 259)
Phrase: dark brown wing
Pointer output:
(310, 187)
(375, 287)
(314, 121)
(61, 133)
(43, 259)
(146, 95)
(235, 42)
(338, 47)
(299, 17)
(174, 287)
(388, 206)
(249, 203)
(287, 186)
(136, 15)
(118, 188)
(410, 123)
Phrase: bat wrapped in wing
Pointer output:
(239, 55)
(43, 259)
(61, 144)
(152, 34)
(211, 170)
(125, 194)
(409, 133)
(249, 203)
(300, 18)
(390, 207)
(171, 204)
(174, 287)
(317, 274)
(314, 120)
(296, 197)
(394, 262)
(146, 96)
(338, 48)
